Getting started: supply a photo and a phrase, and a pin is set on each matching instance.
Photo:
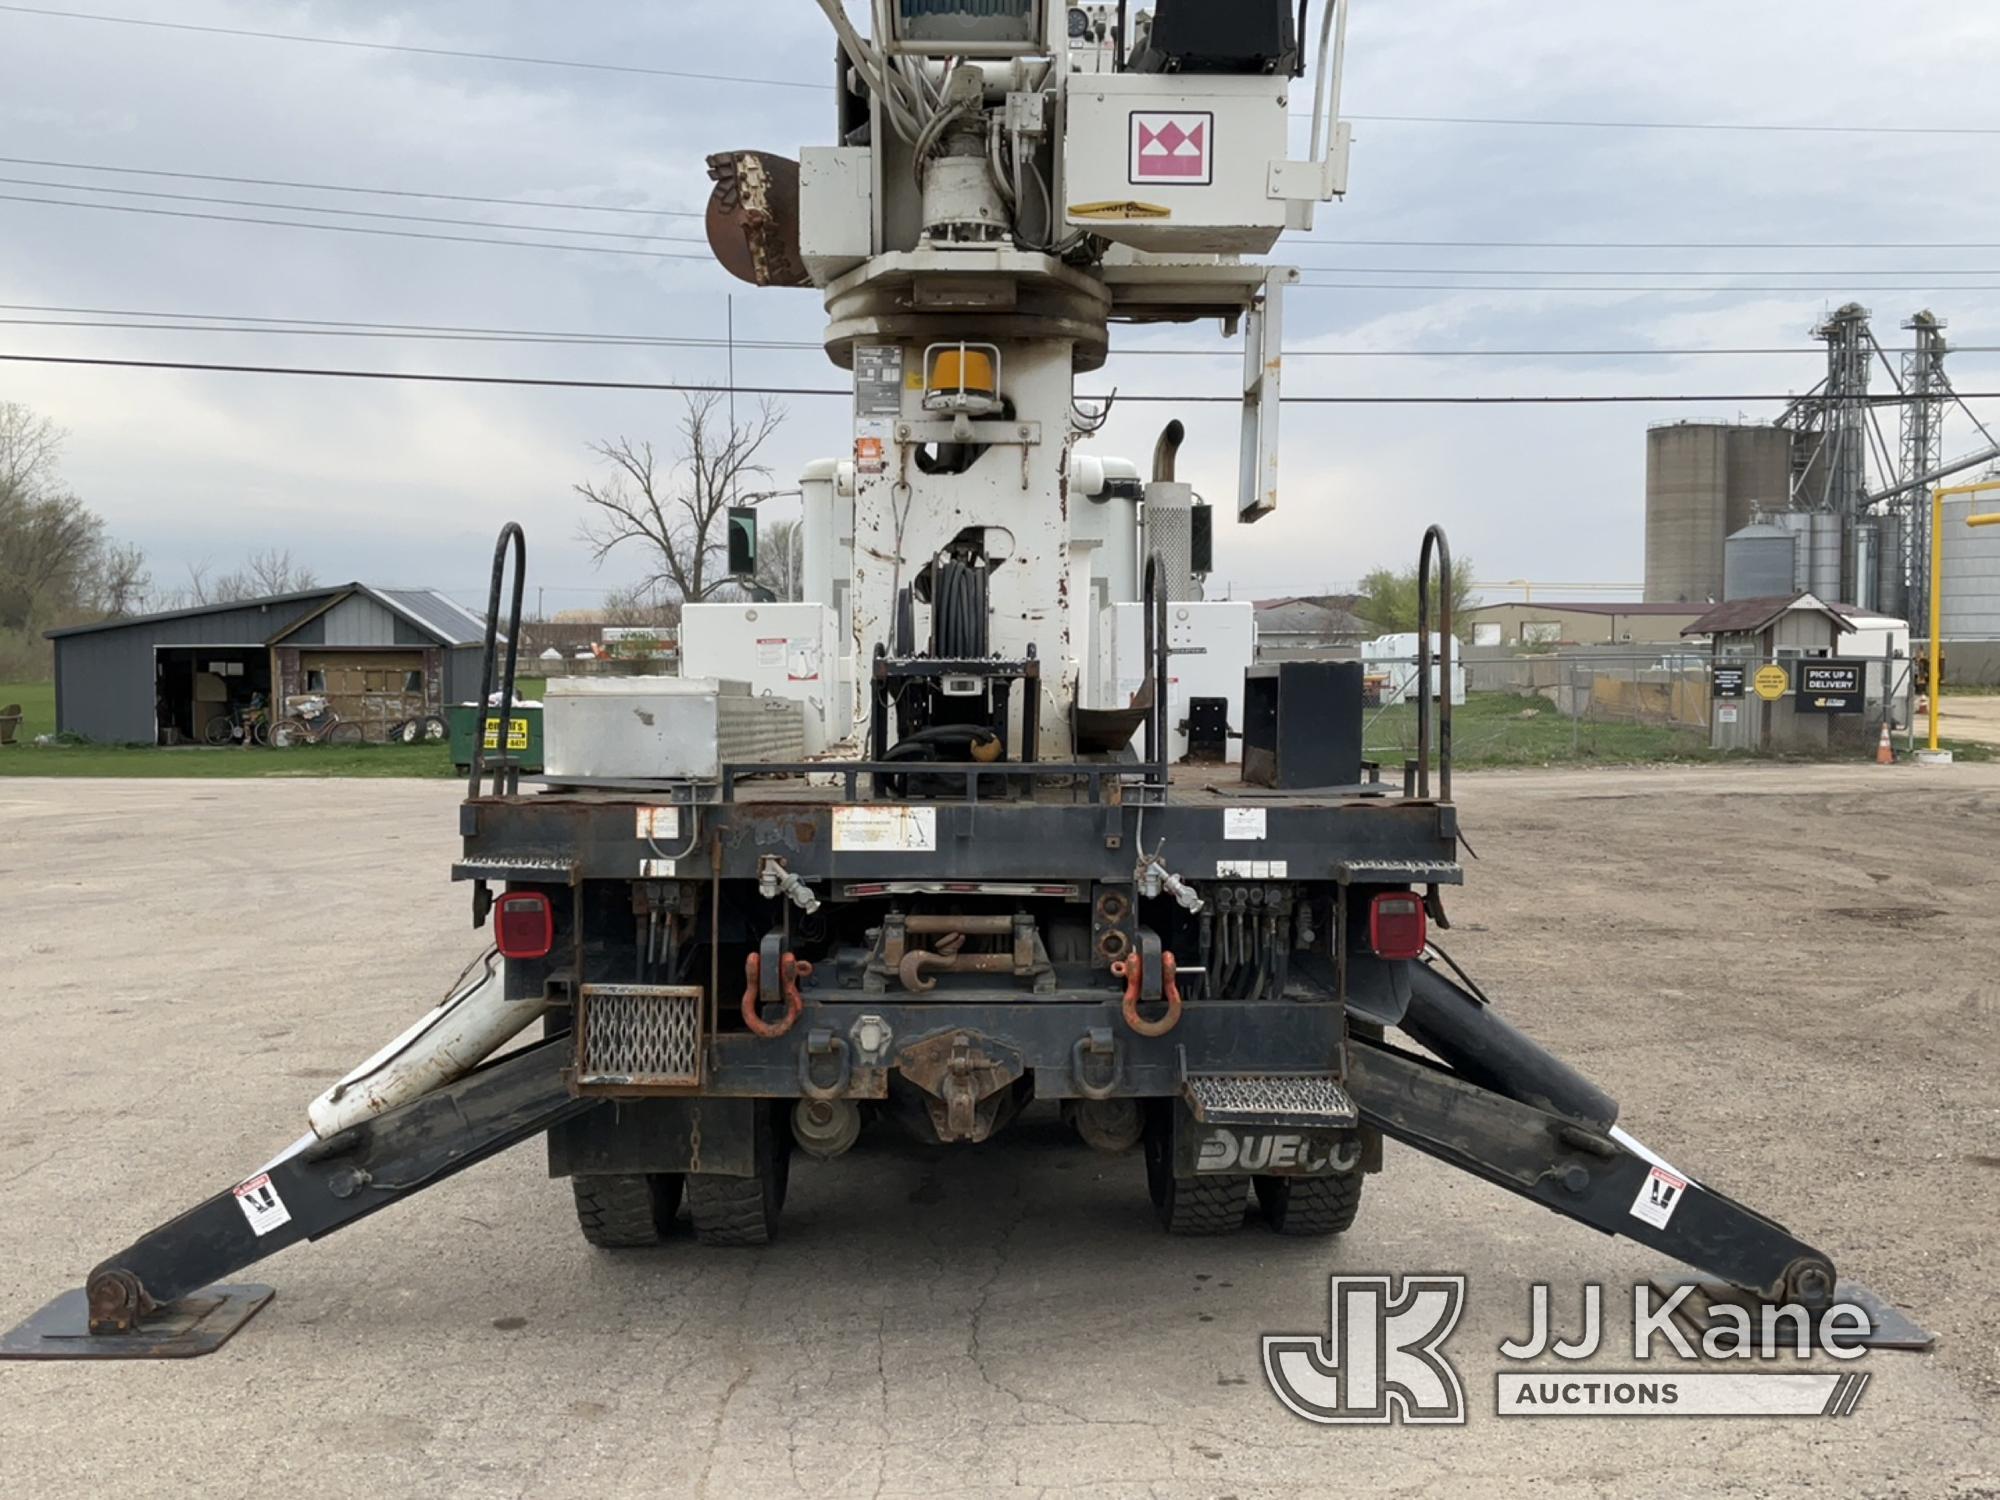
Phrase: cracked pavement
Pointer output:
(1785, 975)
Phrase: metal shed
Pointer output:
(378, 656)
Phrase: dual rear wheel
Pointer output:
(626, 1211)
(1210, 1204)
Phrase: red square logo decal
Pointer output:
(1173, 148)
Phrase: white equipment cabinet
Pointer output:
(780, 650)
(664, 727)
(1213, 645)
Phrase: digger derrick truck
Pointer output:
(974, 849)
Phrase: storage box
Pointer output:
(664, 728)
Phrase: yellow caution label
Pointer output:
(517, 734)
(1122, 209)
(1772, 683)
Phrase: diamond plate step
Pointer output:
(1307, 1100)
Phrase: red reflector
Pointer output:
(1397, 927)
(524, 925)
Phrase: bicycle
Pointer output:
(314, 722)
(249, 726)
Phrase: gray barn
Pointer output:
(378, 656)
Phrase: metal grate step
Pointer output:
(631, 1038)
(1309, 1100)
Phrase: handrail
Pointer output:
(504, 772)
(1159, 740)
(1434, 540)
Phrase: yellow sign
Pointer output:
(1123, 209)
(1772, 683)
(517, 734)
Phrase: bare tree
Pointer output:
(781, 558)
(30, 447)
(635, 607)
(676, 515)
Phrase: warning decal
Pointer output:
(1122, 209)
(261, 1205)
(1659, 1195)
(885, 830)
(1243, 822)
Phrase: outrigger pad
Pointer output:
(1888, 1327)
(200, 1323)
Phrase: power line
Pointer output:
(1625, 271)
(1752, 127)
(846, 394)
(307, 324)
(346, 42)
(420, 333)
(1452, 286)
(370, 213)
(1661, 244)
(334, 187)
(695, 213)
(401, 234)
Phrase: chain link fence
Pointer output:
(1609, 706)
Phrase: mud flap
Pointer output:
(1269, 1124)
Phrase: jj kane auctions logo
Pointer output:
(1382, 1359)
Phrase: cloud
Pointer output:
(405, 483)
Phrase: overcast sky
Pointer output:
(399, 483)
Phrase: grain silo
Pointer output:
(1760, 562)
(1820, 535)
(1705, 481)
(1971, 591)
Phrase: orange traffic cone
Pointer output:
(1885, 753)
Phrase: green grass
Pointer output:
(38, 704)
(1495, 730)
(1503, 729)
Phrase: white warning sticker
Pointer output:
(261, 1205)
(885, 830)
(1659, 1195)
(659, 823)
(1243, 822)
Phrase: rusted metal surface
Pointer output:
(184, 1329)
(968, 1077)
(753, 218)
(790, 970)
(1131, 970)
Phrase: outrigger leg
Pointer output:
(1590, 1170)
(158, 1298)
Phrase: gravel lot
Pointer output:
(1790, 977)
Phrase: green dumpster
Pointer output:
(524, 734)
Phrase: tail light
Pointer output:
(1397, 927)
(524, 925)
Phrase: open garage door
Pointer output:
(201, 693)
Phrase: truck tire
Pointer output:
(1189, 1205)
(627, 1211)
(1310, 1205)
(735, 1211)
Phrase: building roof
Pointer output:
(1591, 607)
(1307, 617)
(1748, 616)
(452, 623)
(445, 622)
